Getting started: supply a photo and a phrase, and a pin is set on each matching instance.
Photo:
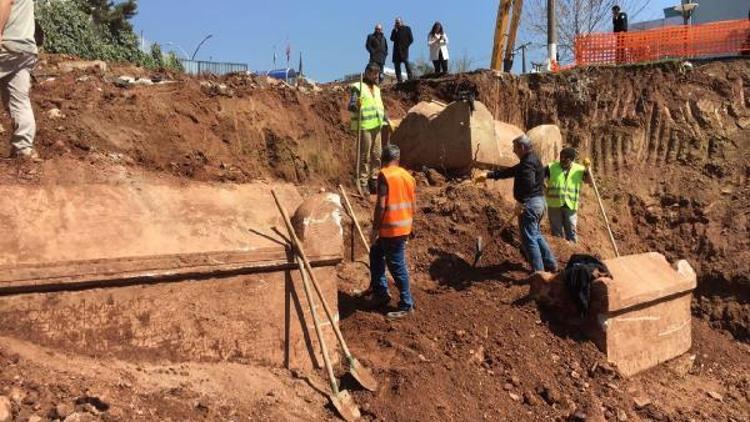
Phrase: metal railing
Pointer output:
(199, 67)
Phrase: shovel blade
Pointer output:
(345, 406)
(363, 375)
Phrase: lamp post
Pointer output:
(200, 44)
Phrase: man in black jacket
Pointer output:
(619, 20)
(377, 46)
(402, 38)
(619, 27)
(528, 190)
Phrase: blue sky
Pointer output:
(329, 33)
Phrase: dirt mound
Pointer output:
(670, 144)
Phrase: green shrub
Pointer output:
(69, 28)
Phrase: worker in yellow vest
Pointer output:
(366, 101)
(564, 181)
(391, 228)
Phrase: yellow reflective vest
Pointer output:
(564, 188)
(373, 110)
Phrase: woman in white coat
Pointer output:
(438, 42)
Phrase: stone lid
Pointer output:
(645, 278)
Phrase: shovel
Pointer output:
(340, 399)
(360, 373)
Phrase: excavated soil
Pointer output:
(670, 147)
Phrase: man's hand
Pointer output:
(480, 178)
(373, 237)
(587, 163)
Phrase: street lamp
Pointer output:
(686, 9)
(182, 50)
(200, 44)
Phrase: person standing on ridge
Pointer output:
(377, 46)
(619, 27)
(18, 55)
(438, 42)
(366, 101)
(391, 227)
(528, 190)
(564, 181)
(402, 39)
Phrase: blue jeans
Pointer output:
(390, 252)
(537, 250)
(563, 222)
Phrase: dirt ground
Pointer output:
(670, 147)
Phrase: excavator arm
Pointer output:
(515, 22)
(505, 38)
(501, 27)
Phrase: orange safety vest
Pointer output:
(398, 215)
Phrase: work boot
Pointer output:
(401, 313)
(27, 155)
(378, 302)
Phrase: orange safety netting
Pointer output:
(727, 38)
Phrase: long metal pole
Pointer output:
(551, 33)
(604, 213)
(359, 136)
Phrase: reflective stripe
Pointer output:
(372, 108)
(398, 215)
(402, 223)
(401, 206)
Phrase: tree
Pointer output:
(157, 55)
(108, 14)
(575, 17)
(462, 64)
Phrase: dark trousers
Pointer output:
(407, 65)
(441, 65)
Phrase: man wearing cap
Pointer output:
(365, 102)
(564, 181)
(528, 190)
(391, 228)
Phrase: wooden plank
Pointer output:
(136, 276)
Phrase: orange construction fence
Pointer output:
(726, 38)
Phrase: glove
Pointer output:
(587, 162)
(481, 178)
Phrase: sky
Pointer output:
(330, 34)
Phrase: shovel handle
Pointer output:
(318, 331)
(350, 211)
(604, 213)
(298, 247)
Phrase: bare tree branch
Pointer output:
(575, 17)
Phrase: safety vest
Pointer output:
(398, 214)
(373, 110)
(562, 188)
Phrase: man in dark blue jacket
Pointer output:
(377, 46)
(528, 190)
(402, 39)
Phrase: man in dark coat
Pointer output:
(402, 38)
(619, 20)
(377, 46)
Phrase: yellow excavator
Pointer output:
(505, 38)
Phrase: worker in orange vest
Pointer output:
(391, 228)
